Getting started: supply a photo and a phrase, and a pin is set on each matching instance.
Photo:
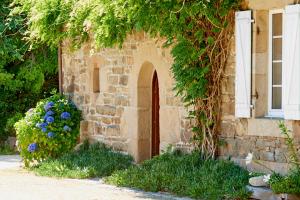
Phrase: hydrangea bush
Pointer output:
(49, 130)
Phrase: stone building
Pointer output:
(128, 101)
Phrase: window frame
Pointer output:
(273, 112)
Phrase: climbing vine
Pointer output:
(198, 32)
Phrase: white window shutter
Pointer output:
(243, 64)
(291, 62)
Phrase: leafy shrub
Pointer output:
(293, 157)
(27, 72)
(289, 184)
(9, 128)
(49, 130)
(286, 184)
(186, 175)
(95, 160)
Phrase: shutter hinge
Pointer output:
(252, 21)
(255, 95)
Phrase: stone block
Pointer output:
(113, 80)
(267, 5)
(241, 127)
(87, 99)
(121, 100)
(228, 85)
(260, 144)
(267, 156)
(80, 99)
(106, 120)
(123, 80)
(257, 127)
(106, 110)
(228, 108)
(112, 89)
(116, 120)
(98, 129)
(117, 70)
(231, 147)
(92, 111)
(280, 156)
(227, 129)
(107, 100)
(129, 60)
(258, 181)
(120, 111)
(84, 126)
(112, 130)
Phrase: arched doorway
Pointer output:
(148, 138)
(155, 140)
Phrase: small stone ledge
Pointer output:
(267, 194)
(281, 168)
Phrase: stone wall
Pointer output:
(118, 112)
(258, 134)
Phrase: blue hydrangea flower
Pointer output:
(49, 105)
(44, 130)
(50, 119)
(43, 125)
(65, 115)
(49, 113)
(32, 147)
(67, 128)
(50, 135)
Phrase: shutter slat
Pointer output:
(243, 64)
(291, 62)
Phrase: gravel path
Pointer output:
(19, 184)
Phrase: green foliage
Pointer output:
(292, 150)
(11, 45)
(48, 130)
(95, 160)
(289, 184)
(186, 175)
(10, 124)
(198, 32)
(6, 150)
(27, 73)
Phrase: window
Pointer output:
(275, 63)
(96, 79)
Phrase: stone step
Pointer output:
(265, 193)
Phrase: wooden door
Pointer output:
(155, 116)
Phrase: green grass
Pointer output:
(186, 175)
(89, 161)
(7, 150)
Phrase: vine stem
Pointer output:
(179, 9)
